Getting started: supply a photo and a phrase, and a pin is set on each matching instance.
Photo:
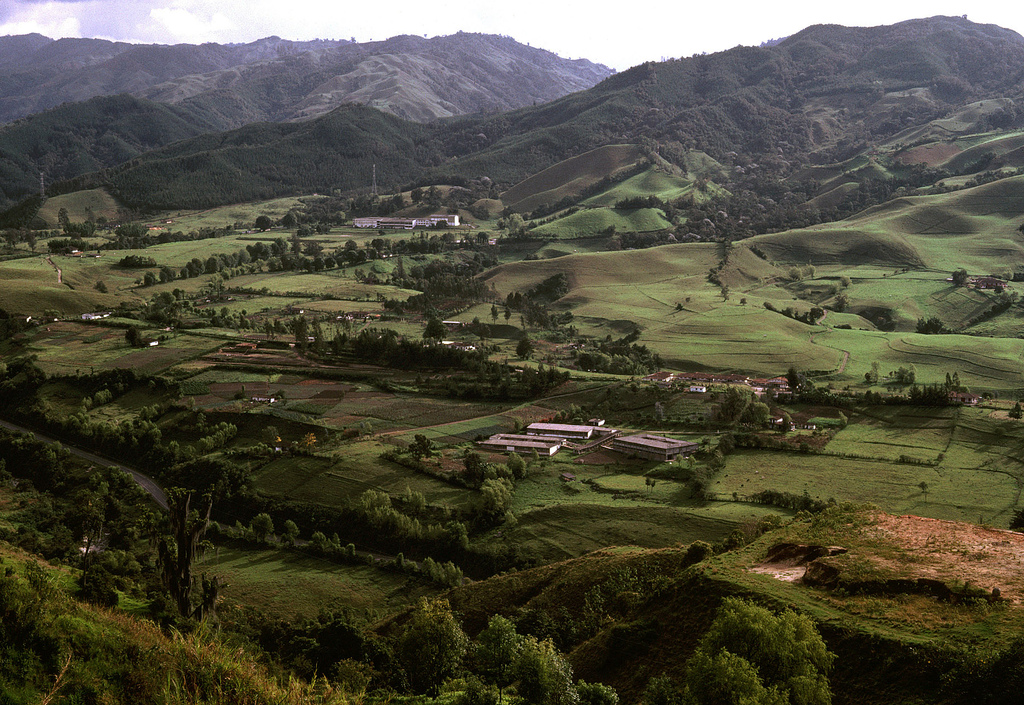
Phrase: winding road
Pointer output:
(144, 481)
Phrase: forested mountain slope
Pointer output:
(820, 96)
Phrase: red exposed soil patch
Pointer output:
(931, 551)
(952, 550)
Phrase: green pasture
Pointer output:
(982, 363)
(286, 583)
(80, 205)
(560, 248)
(319, 284)
(893, 487)
(592, 221)
(29, 286)
(891, 432)
(177, 254)
(569, 177)
(971, 464)
(569, 529)
(974, 228)
(653, 182)
(227, 216)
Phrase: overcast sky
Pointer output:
(617, 34)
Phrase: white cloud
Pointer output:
(52, 19)
(184, 25)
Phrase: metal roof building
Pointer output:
(651, 447)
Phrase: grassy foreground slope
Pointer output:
(56, 649)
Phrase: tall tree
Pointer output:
(751, 655)
(178, 552)
(498, 649)
(432, 647)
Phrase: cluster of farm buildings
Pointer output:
(546, 439)
(386, 223)
(699, 381)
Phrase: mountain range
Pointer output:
(820, 96)
(75, 106)
(278, 80)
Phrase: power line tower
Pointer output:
(374, 179)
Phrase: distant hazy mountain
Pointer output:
(820, 95)
(278, 80)
(90, 104)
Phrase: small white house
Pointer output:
(698, 389)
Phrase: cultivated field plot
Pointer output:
(288, 583)
(335, 481)
(64, 347)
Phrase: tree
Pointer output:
(496, 496)
(263, 223)
(931, 325)
(290, 532)
(960, 277)
(750, 655)
(421, 447)
(517, 466)
(596, 694)
(262, 526)
(133, 337)
(178, 552)
(435, 330)
(498, 649)
(474, 469)
(545, 677)
(794, 379)
(524, 349)
(787, 423)
(432, 647)
(924, 488)
(1016, 412)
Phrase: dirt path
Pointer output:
(60, 274)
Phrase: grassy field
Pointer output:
(592, 221)
(667, 187)
(287, 583)
(80, 205)
(569, 177)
